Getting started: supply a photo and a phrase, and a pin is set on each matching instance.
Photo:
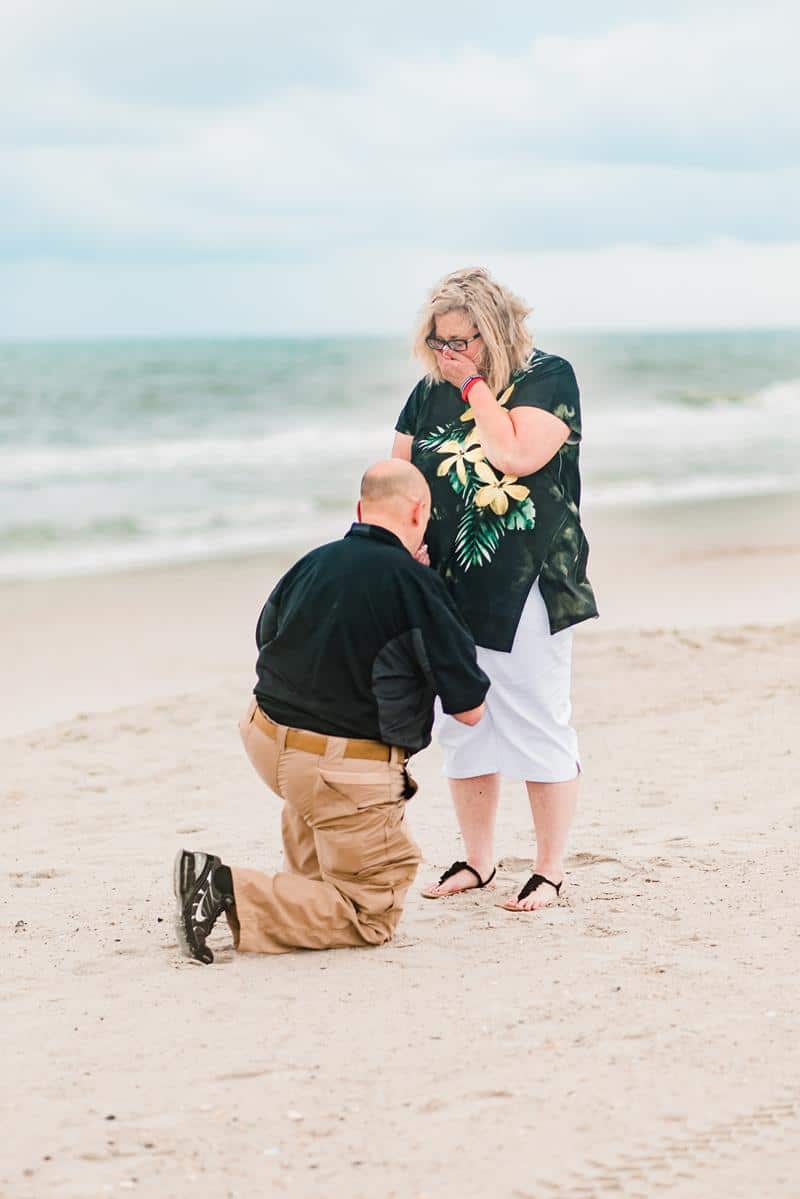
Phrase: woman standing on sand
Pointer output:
(495, 427)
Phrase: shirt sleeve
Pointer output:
(407, 421)
(267, 626)
(550, 385)
(446, 648)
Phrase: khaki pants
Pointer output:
(349, 859)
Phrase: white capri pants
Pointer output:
(525, 732)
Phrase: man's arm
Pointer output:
(472, 716)
(267, 626)
(447, 652)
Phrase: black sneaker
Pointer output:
(199, 903)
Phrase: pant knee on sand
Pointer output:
(376, 898)
(283, 912)
(350, 859)
(378, 927)
(379, 930)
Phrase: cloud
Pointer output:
(708, 88)
(235, 189)
(182, 52)
(171, 134)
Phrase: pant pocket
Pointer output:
(262, 752)
(356, 846)
(364, 787)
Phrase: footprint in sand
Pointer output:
(33, 878)
(694, 1156)
(590, 859)
(515, 865)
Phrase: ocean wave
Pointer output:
(776, 396)
(718, 423)
(43, 464)
(220, 491)
(270, 527)
(667, 424)
(85, 559)
(76, 530)
(644, 492)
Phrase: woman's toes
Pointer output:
(463, 881)
(542, 897)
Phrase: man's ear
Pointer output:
(358, 512)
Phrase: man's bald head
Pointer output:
(391, 480)
(395, 495)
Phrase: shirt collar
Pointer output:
(374, 533)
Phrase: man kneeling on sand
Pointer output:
(354, 643)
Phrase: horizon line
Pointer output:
(555, 330)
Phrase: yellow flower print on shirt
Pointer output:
(496, 492)
(468, 414)
(458, 453)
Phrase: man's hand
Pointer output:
(456, 368)
(422, 555)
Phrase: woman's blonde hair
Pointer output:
(499, 317)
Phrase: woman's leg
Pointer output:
(553, 806)
(475, 802)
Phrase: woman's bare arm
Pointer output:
(402, 446)
(519, 442)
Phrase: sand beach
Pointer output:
(638, 1039)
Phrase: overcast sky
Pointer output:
(246, 167)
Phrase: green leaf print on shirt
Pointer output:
(438, 437)
(477, 538)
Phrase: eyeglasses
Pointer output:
(457, 344)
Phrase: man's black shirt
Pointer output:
(358, 638)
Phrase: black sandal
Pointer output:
(454, 869)
(534, 883)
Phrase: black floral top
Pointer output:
(492, 535)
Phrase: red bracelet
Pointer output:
(468, 384)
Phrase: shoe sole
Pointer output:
(460, 891)
(180, 927)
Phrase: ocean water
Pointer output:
(120, 454)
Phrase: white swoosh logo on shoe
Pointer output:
(198, 913)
